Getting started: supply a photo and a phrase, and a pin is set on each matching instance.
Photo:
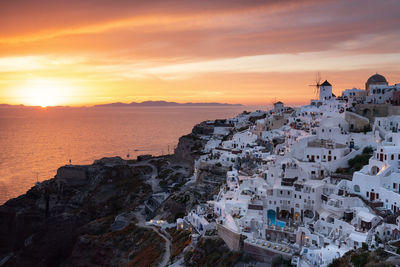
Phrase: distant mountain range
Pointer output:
(134, 104)
(163, 104)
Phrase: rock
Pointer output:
(72, 175)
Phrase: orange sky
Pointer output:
(251, 52)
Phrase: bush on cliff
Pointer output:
(356, 163)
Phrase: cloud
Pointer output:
(170, 48)
(48, 18)
(240, 28)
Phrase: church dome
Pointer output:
(375, 79)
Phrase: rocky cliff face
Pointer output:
(70, 220)
(47, 225)
(190, 146)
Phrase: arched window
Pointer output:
(356, 188)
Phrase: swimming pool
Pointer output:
(280, 223)
(271, 215)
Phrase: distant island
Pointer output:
(132, 104)
(163, 104)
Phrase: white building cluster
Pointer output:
(290, 189)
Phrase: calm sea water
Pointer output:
(35, 142)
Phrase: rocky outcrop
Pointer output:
(72, 175)
(70, 220)
(52, 223)
(189, 149)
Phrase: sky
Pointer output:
(251, 52)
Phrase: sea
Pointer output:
(35, 142)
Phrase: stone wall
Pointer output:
(394, 110)
(232, 239)
(262, 254)
(356, 121)
(376, 110)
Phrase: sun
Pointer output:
(45, 92)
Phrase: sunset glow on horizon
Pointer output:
(249, 52)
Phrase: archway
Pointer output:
(284, 214)
(308, 214)
(366, 112)
(356, 188)
(374, 170)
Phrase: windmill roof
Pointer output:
(326, 83)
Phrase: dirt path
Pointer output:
(167, 254)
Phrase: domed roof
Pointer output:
(376, 78)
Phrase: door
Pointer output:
(372, 196)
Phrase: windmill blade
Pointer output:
(318, 79)
(317, 84)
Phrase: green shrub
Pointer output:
(359, 260)
(356, 163)
(368, 150)
(334, 263)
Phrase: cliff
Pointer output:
(71, 220)
(44, 226)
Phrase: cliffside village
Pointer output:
(295, 186)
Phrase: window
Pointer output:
(367, 194)
(280, 192)
(299, 196)
(334, 157)
(392, 157)
(295, 196)
(394, 185)
(288, 192)
(356, 188)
